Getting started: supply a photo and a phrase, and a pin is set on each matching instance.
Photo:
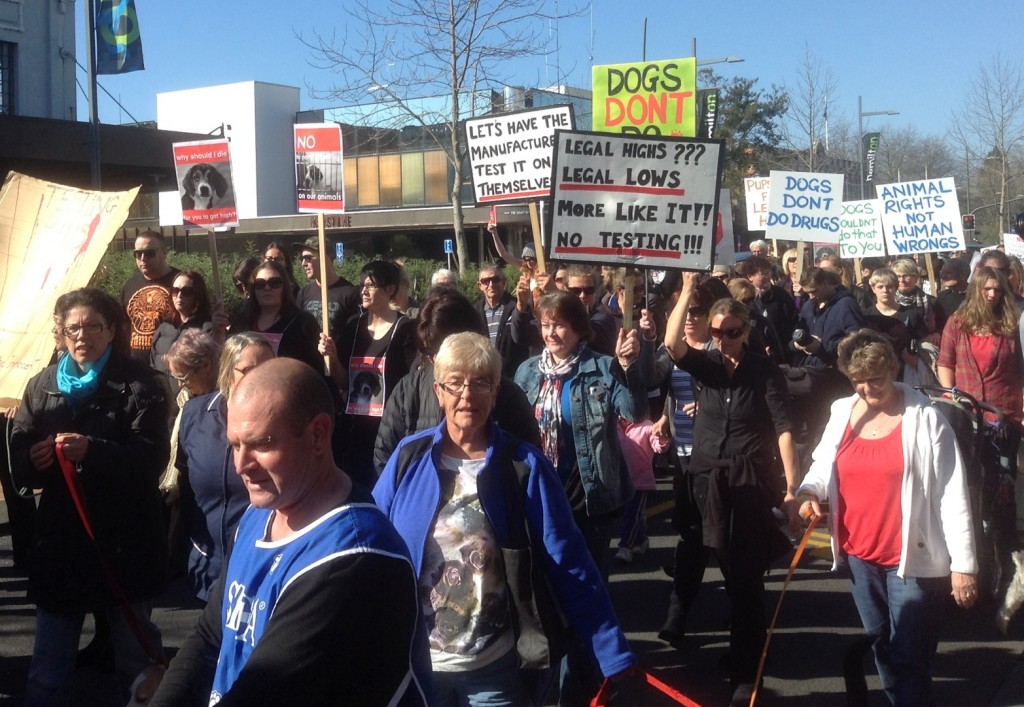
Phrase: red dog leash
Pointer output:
(74, 484)
(601, 698)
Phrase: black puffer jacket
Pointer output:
(414, 407)
(129, 444)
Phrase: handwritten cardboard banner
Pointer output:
(921, 216)
(646, 201)
(646, 97)
(1013, 245)
(804, 206)
(756, 191)
(203, 170)
(319, 168)
(510, 153)
(52, 238)
(860, 229)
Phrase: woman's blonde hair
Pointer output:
(865, 353)
(883, 274)
(233, 349)
(975, 315)
(468, 353)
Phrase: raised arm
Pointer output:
(675, 340)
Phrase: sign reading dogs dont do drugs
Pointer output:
(644, 201)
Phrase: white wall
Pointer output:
(45, 77)
(260, 116)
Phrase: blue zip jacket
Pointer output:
(598, 399)
(575, 582)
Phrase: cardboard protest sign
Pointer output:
(804, 206)
(725, 239)
(319, 168)
(510, 153)
(646, 97)
(203, 170)
(756, 190)
(1013, 245)
(639, 200)
(921, 216)
(52, 238)
(860, 229)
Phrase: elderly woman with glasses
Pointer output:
(910, 294)
(106, 414)
(270, 310)
(488, 523)
(742, 451)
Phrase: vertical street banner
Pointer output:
(707, 113)
(804, 206)
(203, 170)
(756, 191)
(52, 239)
(870, 148)
(921, 216)
(510, 153)
(118, 42)
(635, 200)
(860, 229)
(646, 98)
(319, 168)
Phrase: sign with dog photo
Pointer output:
(203, 169)
(366, 386)
(319, 168)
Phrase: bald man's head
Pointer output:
(294, 392)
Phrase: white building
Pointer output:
(37, 58)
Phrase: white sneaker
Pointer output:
(624, 554)
(642, 547)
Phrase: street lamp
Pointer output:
(861, 115)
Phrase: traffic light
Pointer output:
(968, 222)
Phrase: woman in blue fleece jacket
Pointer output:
(446, 491)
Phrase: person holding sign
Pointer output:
(743, 445)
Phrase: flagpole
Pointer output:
(94, 137)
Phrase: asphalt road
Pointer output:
(817, 622)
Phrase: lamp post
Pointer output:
(861, 115)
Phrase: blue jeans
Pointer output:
(497, 683)
(902, 616)
(53, 658)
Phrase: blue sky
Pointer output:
(911, 56)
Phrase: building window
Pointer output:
(8, 58)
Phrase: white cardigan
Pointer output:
(937, 535)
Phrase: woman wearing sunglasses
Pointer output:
(270, 310)
(193, 309)
(742, 445)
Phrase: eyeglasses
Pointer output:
(307, 258)
(721, 276)
(583, 290)
(694, 312)
(144, 253)
(529, 258)
(72, 332)
(276, 258)
(186, 291)
(182, 380)
(369, 287)
(490, 280)
(906, 276)
(459, 389)
(731, 333)
(273, 283)
(790, 261)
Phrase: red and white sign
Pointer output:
(207, 193)
(319, 168)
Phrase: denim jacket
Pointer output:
(598, 398)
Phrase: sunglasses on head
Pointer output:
(583, 290)
(489, 280)
(273, 283)
(731, 333)
(186, 291)
(144, 252)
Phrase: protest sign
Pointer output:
(921, 216)
(804, 206)
(319, 168)
(203, 170)
(647, 97)
(860, 229)
(1013, 245)
(756, 190)
(510, 153)
(52, 238)
(645, 201)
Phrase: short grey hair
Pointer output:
(470, 353)
(443, 274)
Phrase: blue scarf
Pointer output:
(76, 387)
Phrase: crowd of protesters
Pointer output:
(484, 455)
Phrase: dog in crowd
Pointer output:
(311, 177)
(202, 183)
(365, 387)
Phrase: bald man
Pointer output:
(319, 600)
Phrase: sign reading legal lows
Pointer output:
(510, 153)
(648, 201)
